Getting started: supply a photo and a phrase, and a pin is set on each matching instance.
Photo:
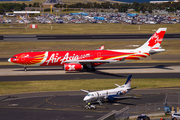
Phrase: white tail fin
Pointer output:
(154, 41)
(101, 48)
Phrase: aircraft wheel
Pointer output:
(88, 70)
(86, 107)
(25, 69)
(94, 108)
(93, 69)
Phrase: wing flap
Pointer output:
(90, 61)
(124, 97)
(94, 61)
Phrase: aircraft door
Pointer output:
(97, 96)
(23, 57)
(98, 55)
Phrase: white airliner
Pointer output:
(111, 94)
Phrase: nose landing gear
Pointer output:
(25, 69)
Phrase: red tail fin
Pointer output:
(155, 40)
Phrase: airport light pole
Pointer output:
(51, 8)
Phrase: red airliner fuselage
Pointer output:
(77, 60)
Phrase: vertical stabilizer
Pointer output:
(154, 41)
(128, 82)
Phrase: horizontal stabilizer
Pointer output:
(132, 88)
(117, 85)
(154, 51)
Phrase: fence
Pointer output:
(121, 114)
(173, 100)
(134, 111)
(150, 108)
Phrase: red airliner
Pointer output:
(89, 59)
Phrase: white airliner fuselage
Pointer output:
(110, 94)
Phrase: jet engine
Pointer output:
(73, 67)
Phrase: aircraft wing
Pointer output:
(90, 61)
(85, 91)
(124, 97)
(93, 61)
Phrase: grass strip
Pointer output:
(87, 84)
(90, 28)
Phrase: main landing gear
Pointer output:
(90, 68)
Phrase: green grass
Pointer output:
(89, 84)
(90, 29)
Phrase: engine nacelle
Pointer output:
(73, 67)
(122, 92)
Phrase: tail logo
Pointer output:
(156, 38)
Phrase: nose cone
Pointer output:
(86, 99)
(9, 60)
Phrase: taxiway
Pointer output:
(68, 105)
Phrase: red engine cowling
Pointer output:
(73, 67)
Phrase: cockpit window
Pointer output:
(90, 95)
(14, 57)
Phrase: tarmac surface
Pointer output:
(108, 71)
(82, 37)
(68, 105)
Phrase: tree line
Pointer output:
(168, 6)
(10, 7)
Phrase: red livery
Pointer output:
(89, 59)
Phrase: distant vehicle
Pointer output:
(20, 21)
(59, 21)
(143, 117)
(9, 14)
(110, 94)
(3, 21)
(175, 116)
(8, 21)
(167, 109)
(89, 59)
(90, 107)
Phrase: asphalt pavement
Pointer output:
(68, 105)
